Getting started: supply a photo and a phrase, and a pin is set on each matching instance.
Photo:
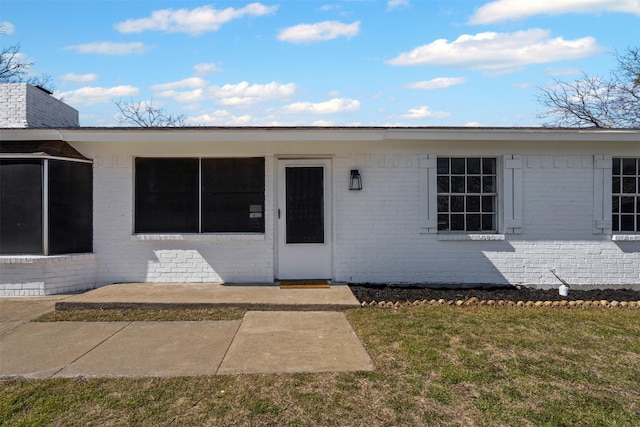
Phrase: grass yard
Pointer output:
(437, 365)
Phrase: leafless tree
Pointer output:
(14, 67)
(144, 114)
(596, 101)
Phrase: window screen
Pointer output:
(166, 195)
(21, 207)
(626, 195)
(233, 195)
(70, 207)
(305, 204)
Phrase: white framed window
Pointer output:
(467, 193)
(625, 192)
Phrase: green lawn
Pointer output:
(435, 365)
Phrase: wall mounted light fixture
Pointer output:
(355, 182)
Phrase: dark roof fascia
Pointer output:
(51, 149)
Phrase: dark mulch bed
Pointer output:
(368, 293)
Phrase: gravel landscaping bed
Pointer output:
(403, 294)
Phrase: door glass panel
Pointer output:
(305, 204)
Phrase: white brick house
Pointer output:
(454, 206)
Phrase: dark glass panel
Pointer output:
(443, 165)
(232, 195)
(488, 184)
(473, 166)
(489, 166)
(443, 203)
(70, 207)
(473, 184)
(627, 222)
(616, 223)
(627, 204)
(305, 204)
(458, 166)
(457, 222)
(616, 166)
(615, 204)
(615, 185)
(629, 185)
(443, 222)
(488, 204)
(473, 203)
(457, 184)
(473, 222)
(629, 167)
(166, 199)
(457, 204)
(20, 206)
(443, 184)
(488, 222)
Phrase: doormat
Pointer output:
(304, 284)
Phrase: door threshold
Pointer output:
(304, 284)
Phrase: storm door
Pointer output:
(304, 219)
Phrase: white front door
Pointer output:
(304, 219)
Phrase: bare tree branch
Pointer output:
(144, 114)
(595, 101)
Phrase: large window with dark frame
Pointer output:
(626, 195)
(46, 206)
(467, 194)
(199, 195)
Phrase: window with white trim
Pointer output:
(467, 194)
(194, 195)
(625, 191)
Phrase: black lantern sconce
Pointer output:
(355, 182)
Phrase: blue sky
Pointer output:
(328, 63)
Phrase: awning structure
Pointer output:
(59, 149)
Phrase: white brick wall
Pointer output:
(40, 275)
(124, 257)
(378, 239)
(25, 106)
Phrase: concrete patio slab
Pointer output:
(211, 295)
(272, 342)
(39, 350)
(158, 349)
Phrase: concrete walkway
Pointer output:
(265, 341)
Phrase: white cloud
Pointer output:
(498, 52)
(6, 28)
(190, 83)
(395, 4)
(321, 31)
(425, 112)
(244, 93)
(195, 21)
(96, 95)
(324, 123)
(521, 86)
(195, 95)
(78, 78)
(472, 124)
(505, 10)
(205, 69)
(220, 118)
(336, 105)
(437, 83)
(109, 48)
(563, 71)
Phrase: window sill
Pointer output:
(36, 259)
(470, 237)
(222, 237)
(625, 237)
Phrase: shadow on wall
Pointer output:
(432, 262)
